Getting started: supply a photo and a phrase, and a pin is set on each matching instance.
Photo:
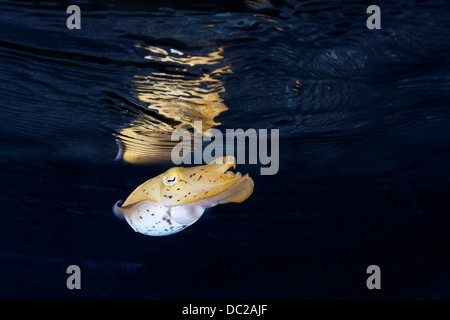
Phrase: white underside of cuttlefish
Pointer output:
(175, 199)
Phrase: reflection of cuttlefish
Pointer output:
(173, 100)
(174, 200)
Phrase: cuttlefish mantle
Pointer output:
(175, 199)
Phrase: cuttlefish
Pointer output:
(175, 199)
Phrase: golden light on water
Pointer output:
(179, 98)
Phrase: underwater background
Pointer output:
(364, 160)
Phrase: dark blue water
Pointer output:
(364, 175)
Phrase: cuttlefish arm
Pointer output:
(172, 201)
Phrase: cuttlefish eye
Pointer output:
(170, 181)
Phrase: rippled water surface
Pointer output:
(364, 120)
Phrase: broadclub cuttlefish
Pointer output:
(175, 199)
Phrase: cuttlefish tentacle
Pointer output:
(174, 200)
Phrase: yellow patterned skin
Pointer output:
(175, 199)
